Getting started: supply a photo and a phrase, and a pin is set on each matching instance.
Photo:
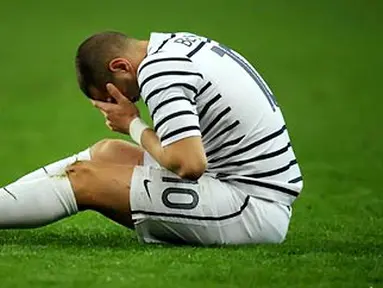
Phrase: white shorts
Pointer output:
(168, 209)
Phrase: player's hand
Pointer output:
(118, 115)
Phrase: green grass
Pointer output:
(323, 60)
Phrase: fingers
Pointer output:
(110, 105)
(103, 106)
(109, 125)
(104, 113)
(115, 93)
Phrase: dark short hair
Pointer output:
(93, 57)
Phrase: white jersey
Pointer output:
(194, 86)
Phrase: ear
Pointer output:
(119, 65)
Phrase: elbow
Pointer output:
(192, 170)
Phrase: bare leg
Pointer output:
(103, 187)
(121, 153)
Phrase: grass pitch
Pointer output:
(323, 61)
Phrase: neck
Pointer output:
(140, 53)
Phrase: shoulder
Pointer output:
(164, 69)
(165, 50)
(179, 42)
(162, 61)
(169, 61)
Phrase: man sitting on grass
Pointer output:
(217, 167)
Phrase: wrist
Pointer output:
(136, 128)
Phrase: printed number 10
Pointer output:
(222, 50)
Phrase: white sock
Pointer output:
(36, 203)
(58, 167)
(39, 198)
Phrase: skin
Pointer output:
(103, 184)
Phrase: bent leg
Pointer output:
(100, 186)
(45, 195)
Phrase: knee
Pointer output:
(79, 168)
(116, 151)
(103, 147)
(80, 174)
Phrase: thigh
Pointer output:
(103, 187)
(167, 209)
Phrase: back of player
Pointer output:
(226, 102)
(242, 127)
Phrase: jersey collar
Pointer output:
(155, 41)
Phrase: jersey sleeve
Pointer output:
(168, 85)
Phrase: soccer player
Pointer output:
(217, 167)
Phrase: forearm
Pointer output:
(185, 157)
(152, 144)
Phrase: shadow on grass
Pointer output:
(125, 239)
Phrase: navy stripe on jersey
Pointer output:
(273, 172)
(168, 73)
(162, 60)
(179, 131)
(163, 103)
(208, 105)
(203, 89)
(224, 145)
(296, 180)
(155, 92)
(172, 116)
(197, 217)
(163, 43)
(215, 121)
(262, 184)
(199, 47)
(251, 146)
(254, 159)
(178, 180)
(223, 131)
